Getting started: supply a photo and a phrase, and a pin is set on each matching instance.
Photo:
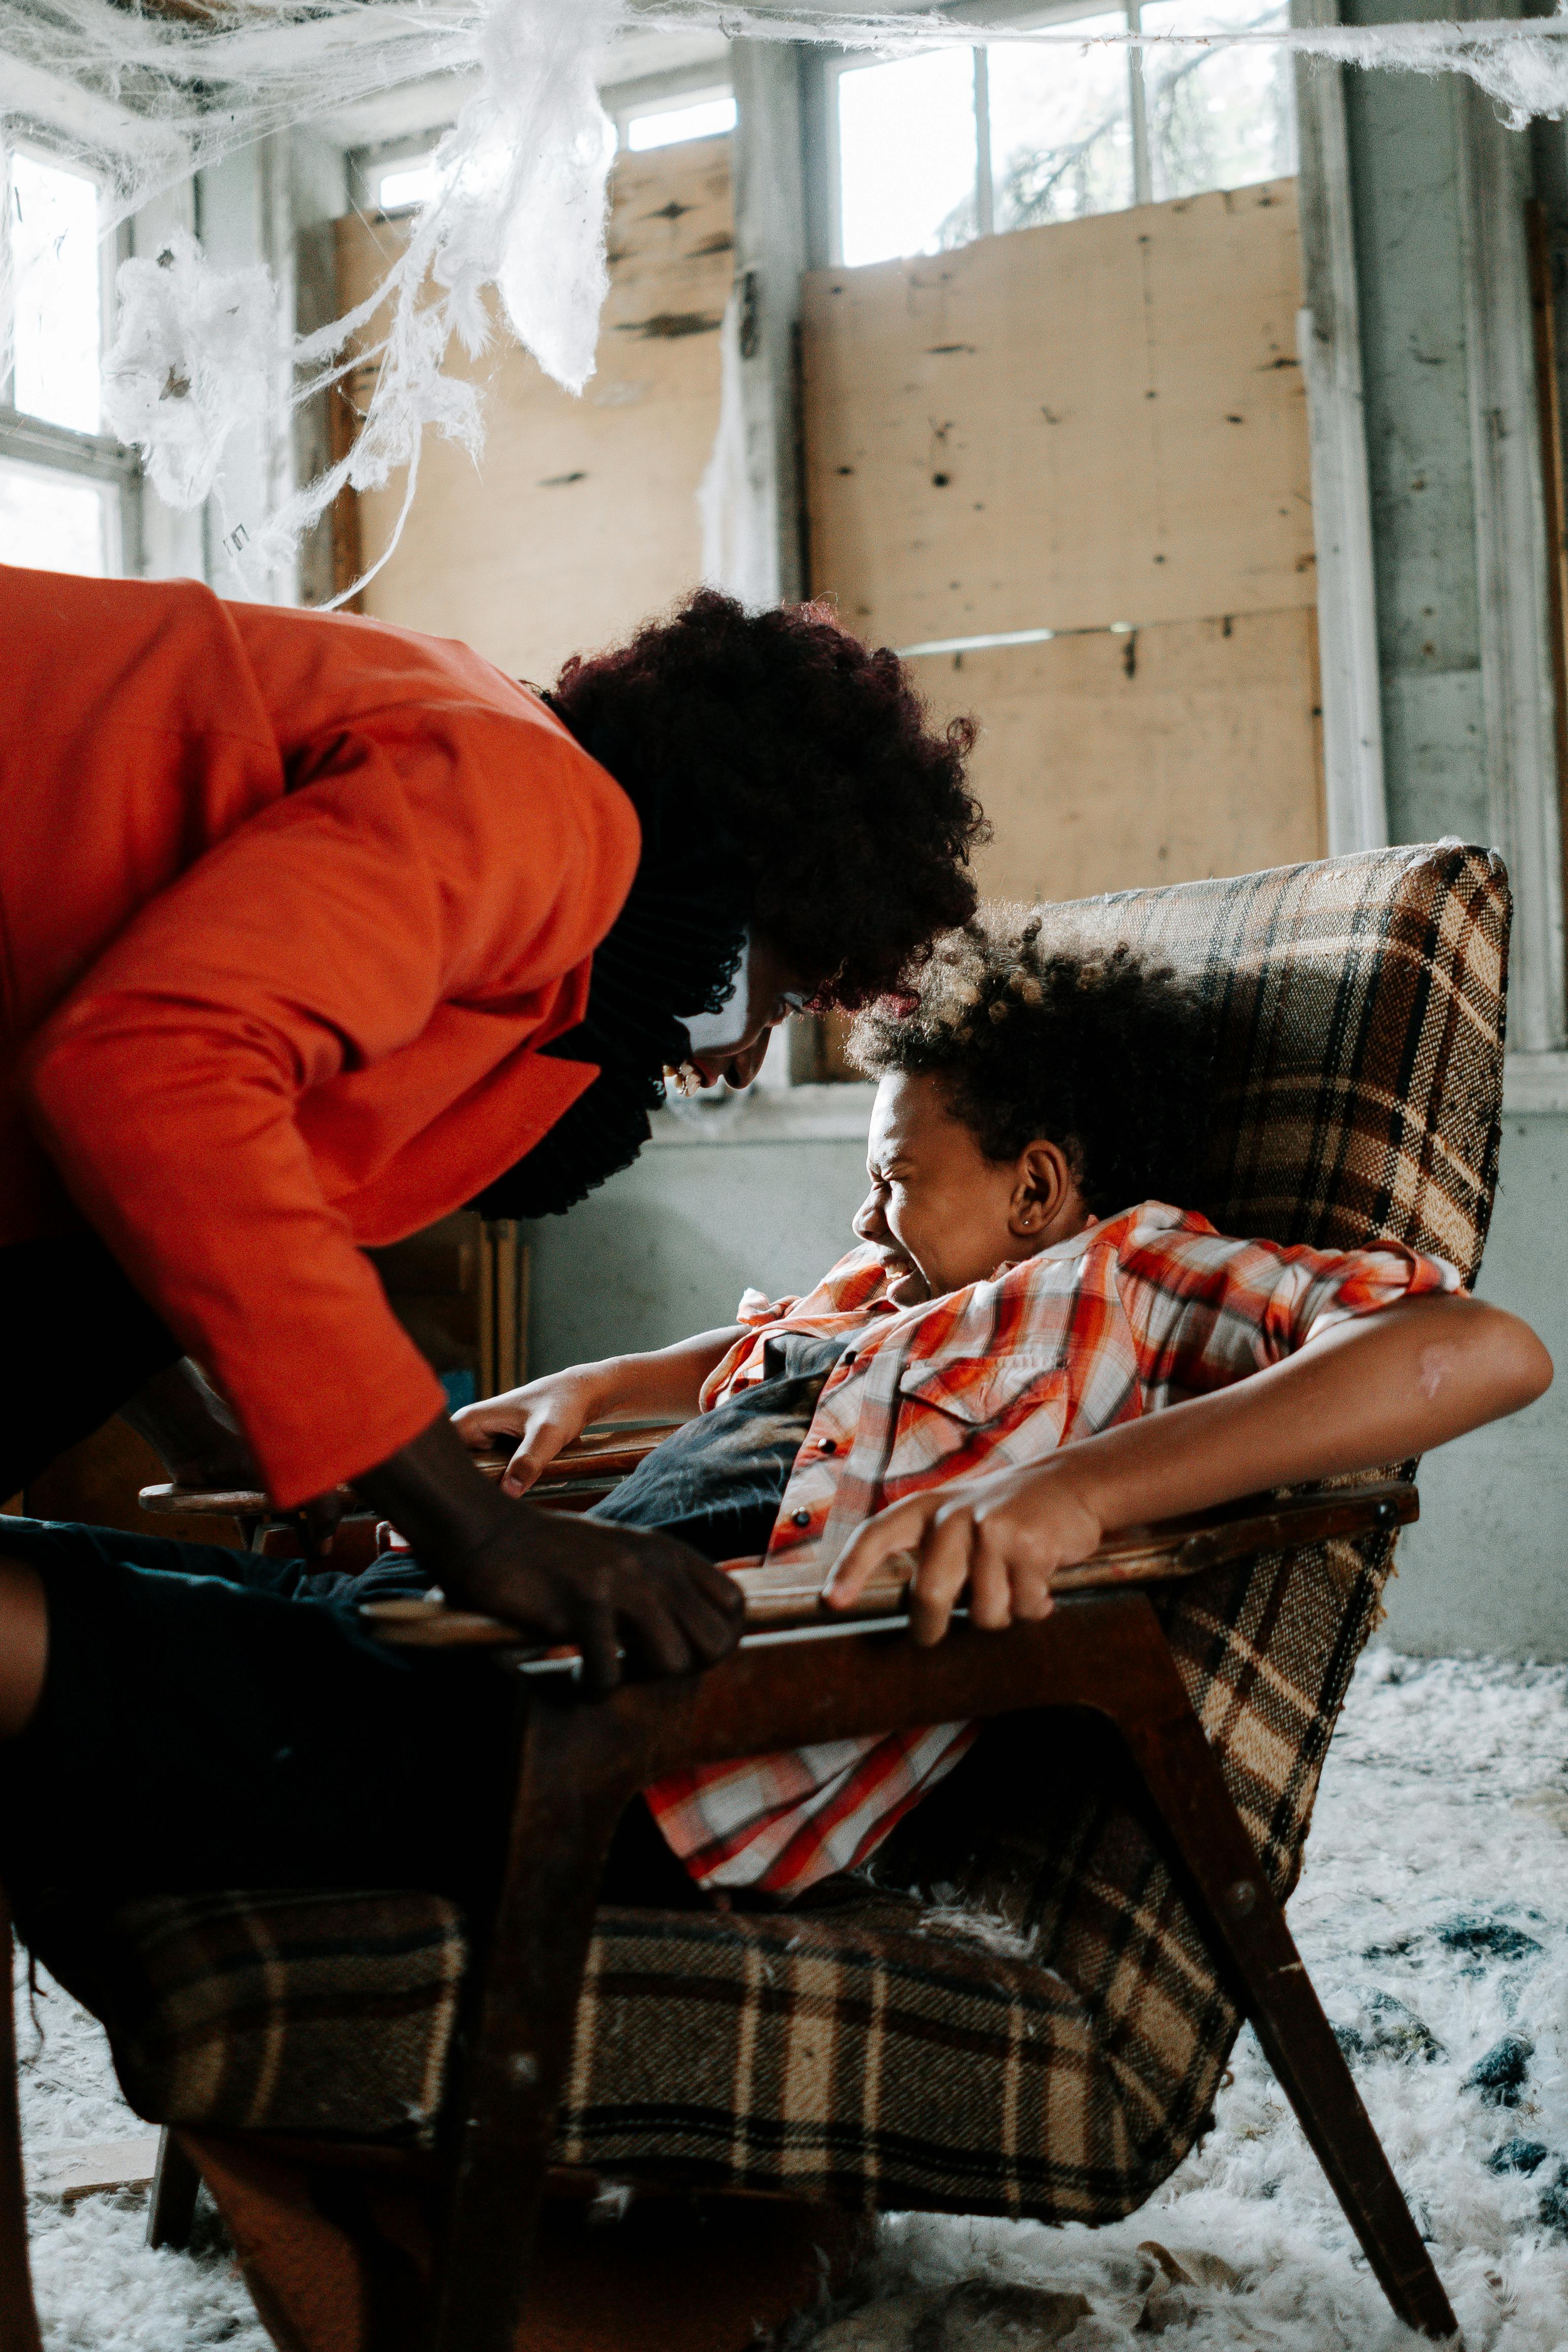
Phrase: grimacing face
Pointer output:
(942, 1213)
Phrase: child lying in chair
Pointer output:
(1013, 1363)
(1029, 1348)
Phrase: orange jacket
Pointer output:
(289, 903)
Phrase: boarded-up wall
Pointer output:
(582, 518)
(1090, 427)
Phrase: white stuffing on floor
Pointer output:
(1433, 1915)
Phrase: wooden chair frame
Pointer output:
(1101, 1652)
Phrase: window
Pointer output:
(412, 180)
(58, 305)
(1217, 117)
(906, 145)
(691, 117)
(54, 522)
(67, 494)
(954, 143)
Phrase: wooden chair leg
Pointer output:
(172, 2207)
(1246, 1927)
(18, 2313)
(576, 1776)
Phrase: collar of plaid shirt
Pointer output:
(1136, 1313)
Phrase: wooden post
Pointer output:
(503, 1307)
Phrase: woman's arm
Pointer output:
(546, 1414)
(1369, 1391)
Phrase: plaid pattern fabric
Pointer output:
(287, 2012)
(1141, 1311)
(879, 2056)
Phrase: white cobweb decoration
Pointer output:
(519, 216)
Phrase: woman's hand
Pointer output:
(1002, 1536)
(544, 1415)
(611, 1590)
(607, 1589)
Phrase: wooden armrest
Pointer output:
(600, 1457)
(781, 1599)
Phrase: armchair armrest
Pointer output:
(590, 1466)
(784, 1600)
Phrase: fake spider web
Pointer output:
(143, 98)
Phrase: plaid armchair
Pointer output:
(887, 2052)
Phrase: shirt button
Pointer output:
(801, 1519)
(830, 1446)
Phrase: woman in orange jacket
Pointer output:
(315, 929)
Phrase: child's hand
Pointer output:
(1003, 1536)
(545, 1415)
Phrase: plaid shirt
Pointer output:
(1139, 1312)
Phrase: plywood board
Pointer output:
(1098, 421)
(1108, 762)
(582, 518)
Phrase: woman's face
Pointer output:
(731, 1043)
(943, 1215)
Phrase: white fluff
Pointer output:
(193, 359)
(1446, 1794)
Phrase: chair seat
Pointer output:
(876, 2054)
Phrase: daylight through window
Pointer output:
(58, 311)
(939, 148)
(63, 489)
(667, 126)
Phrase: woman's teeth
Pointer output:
(686, 1080)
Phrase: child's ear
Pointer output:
(1046, 1205)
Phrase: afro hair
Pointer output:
(801, 775)
(1106, 1053)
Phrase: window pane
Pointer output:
(907, 149)
(55, 253)
(411, 182)
(702, 120)
(1220, 117)
(1061, 129)
(57, 522)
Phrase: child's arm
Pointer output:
(548, 1413)
(1368, 1392)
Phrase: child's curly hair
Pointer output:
(1107, 1053)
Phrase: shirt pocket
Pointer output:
(968, 1394)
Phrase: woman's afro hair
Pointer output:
(804, 766)
(1106, 1053)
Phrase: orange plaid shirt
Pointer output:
(1138, 1312)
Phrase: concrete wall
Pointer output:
(667, 1248)
(1485, 1569)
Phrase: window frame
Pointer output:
(37, 441)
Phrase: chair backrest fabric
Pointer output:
(1359, 1011)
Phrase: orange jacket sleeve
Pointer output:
(461, 855)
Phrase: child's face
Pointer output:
(942, 1213)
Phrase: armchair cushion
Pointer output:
(294, 2012)
(875, 2054)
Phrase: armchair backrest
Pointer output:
(1359, 1027)
(1358, 1007)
